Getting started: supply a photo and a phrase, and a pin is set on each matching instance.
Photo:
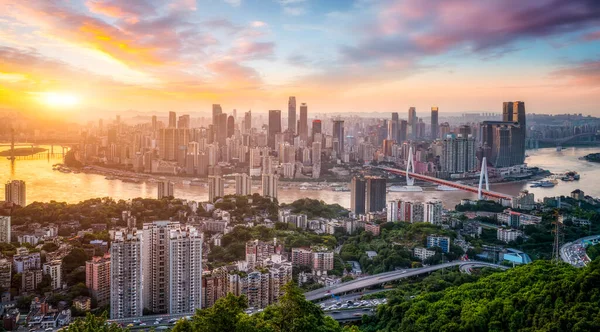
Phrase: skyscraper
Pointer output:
(270, 183)
(184, 122)
(172, 120)
(274, 126)
(338, 137)
(216, 110)
(126, 274)
(230, 125)
(165, 189)
(248, 122)
(14, 192)
(412, 122)
(303, 125)
(221, 128)
(434, 123)
(376, 193)
(185, 270)
(292, 114)
(504, 141)
(357, 195)
(402, 131)
(154, 123)
(215, 187)
(458, 155)
(316, 128)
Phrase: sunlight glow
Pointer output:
(59, 99)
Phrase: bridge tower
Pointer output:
(410, 167)
(484, 173)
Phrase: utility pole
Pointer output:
(558, 220)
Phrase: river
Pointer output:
(44, 184)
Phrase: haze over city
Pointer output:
(339, 56)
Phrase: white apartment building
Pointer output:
(423, 253)
(126, 274)
(270, 182)
(215, 187)
(53, 269)
(243, 184)
(392, 211)
(185, 275)
(433, 212)
(507, 235)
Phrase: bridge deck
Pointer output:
(488, 193)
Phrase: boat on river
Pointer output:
(405, 189)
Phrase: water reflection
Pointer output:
(44, 184)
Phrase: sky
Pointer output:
(91, 56)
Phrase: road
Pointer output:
(350, 315)
(574, 252)
(381, 278)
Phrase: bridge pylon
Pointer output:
(410, 167)
(484, 173)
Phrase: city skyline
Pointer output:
(373, 56)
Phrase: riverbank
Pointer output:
(22, 152)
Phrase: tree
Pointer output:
(224, 315)
(93, 323)
(76, 258)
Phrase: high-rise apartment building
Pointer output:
(434, 123)
(126, 274)
(97, 278)
(392, 211)
(303, 123)
(270, 183)
(221, 128)
(215, 187)
(292, 114)
(322, 261)
(459, 155)
(357, 195)
(5, 273)
(433, 212)
(185, 270)
(412, 122)
(302, 256)
(316, 129)
(172, 120)
(165, 189)
(274, 127)
(216, 110)
(230, 126)
(54, 270)
(376, 193)
(155, 265)
(247, 122)
(184, 122)
(243, 184)
(504, 141)
(402, 131)
(5, 229)
(14, 192)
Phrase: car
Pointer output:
(157, 322)
(366, 309)
(136, 321)
(336, 312)
(357, 314)
(172, 320)
(159, 319)
(130, 325)
(143, 324)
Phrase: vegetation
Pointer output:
(22, 152)
(486, 206)
(394, 246)
(247, 207)
(536, 297)
(92, 323)
(99, 211)
(593, 252)
(314, 209)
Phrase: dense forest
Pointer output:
(542, 296)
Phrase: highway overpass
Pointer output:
(381, 278)
(574, 252)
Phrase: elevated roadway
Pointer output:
(377, 279)
(574, 252)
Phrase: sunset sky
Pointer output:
(335, 55)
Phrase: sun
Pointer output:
(59, 99)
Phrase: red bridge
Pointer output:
(487, 193)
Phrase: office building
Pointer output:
(317, 129)
(5, 229)
(303, 123)
(357, 195)
(402, 131)
(165, 189)
(243, 184)
(230, 126)
(274, 127)
(97, 278)
(270, 182)
(54, 270)
(434, 123)
(439, 241)
(184, 122)
(247, 122)
(215, 187)
(126, 274)
(376, 193)
(292, 114)
(412, 122)
(221, 129)
(14, 192)
(338, 137)
(216, 110)
(504, 141)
